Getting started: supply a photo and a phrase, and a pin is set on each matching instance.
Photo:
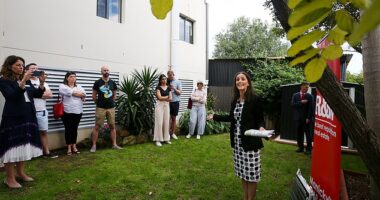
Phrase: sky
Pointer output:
(224, 12)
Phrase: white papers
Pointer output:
(258, 133)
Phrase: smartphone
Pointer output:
(37, 73)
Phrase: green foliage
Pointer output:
(369, 21)
(212, 127)
(210, 104)
(306, 13)
(314, 69)
(267, 77)
(246, 38)
(325, 22)
(135, 105)
(160, 8)
(355, 78)
(346, 29)
(305, 42)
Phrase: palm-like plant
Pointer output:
(135, 105)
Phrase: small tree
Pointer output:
(267, 77)
(355, 78)
(246, 38)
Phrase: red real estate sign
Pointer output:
(325, 163)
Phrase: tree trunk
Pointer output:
(364, 139)
(282, 12)
(371, 73)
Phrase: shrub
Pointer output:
(212, 127)
(135, 105)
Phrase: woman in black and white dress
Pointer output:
(245, 113)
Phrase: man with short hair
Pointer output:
(176, 89)
(41, 111)
(303, 115)
(104, 95)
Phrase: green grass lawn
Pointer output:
(186, 169)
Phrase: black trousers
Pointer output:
(71, 123)
(307, 129)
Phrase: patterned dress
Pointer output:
(246, 163)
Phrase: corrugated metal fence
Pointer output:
(84, 78)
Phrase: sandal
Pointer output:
(76, 152)
(69, 153)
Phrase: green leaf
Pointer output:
(332, 52)
(344, 20)
(305, 41)
(344, 1)
(314, 69)
(293, 3)
(368, 21)
(337, 36)
(297, 31)
(301, 59)
(309, 12)
(161, 7)
(359, 3)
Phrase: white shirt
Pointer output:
(39, 103)
(198, 97)
(71, 104)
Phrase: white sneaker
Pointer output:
(168, 142)
(93, 149)
(116, 147)
(198, 137)
(188, 136)
(174, 136)
(158, 144)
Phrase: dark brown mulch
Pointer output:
(357, 185)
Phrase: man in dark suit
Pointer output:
(303, 112)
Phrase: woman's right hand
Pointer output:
(27, 75)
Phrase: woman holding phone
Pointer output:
(19, 135)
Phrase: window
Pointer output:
(109, 9)
(186, 29)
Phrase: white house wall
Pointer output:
(67, 34)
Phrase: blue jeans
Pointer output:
(197, 112)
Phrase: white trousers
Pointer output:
(161, 121)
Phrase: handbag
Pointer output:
(189, 103)
(58, 108)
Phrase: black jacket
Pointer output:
(301, 112)
(15, 104)
(252, 117)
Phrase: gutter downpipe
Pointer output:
(172, 56)
(207, 60)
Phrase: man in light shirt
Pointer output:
(176, 89)
(41, 111)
